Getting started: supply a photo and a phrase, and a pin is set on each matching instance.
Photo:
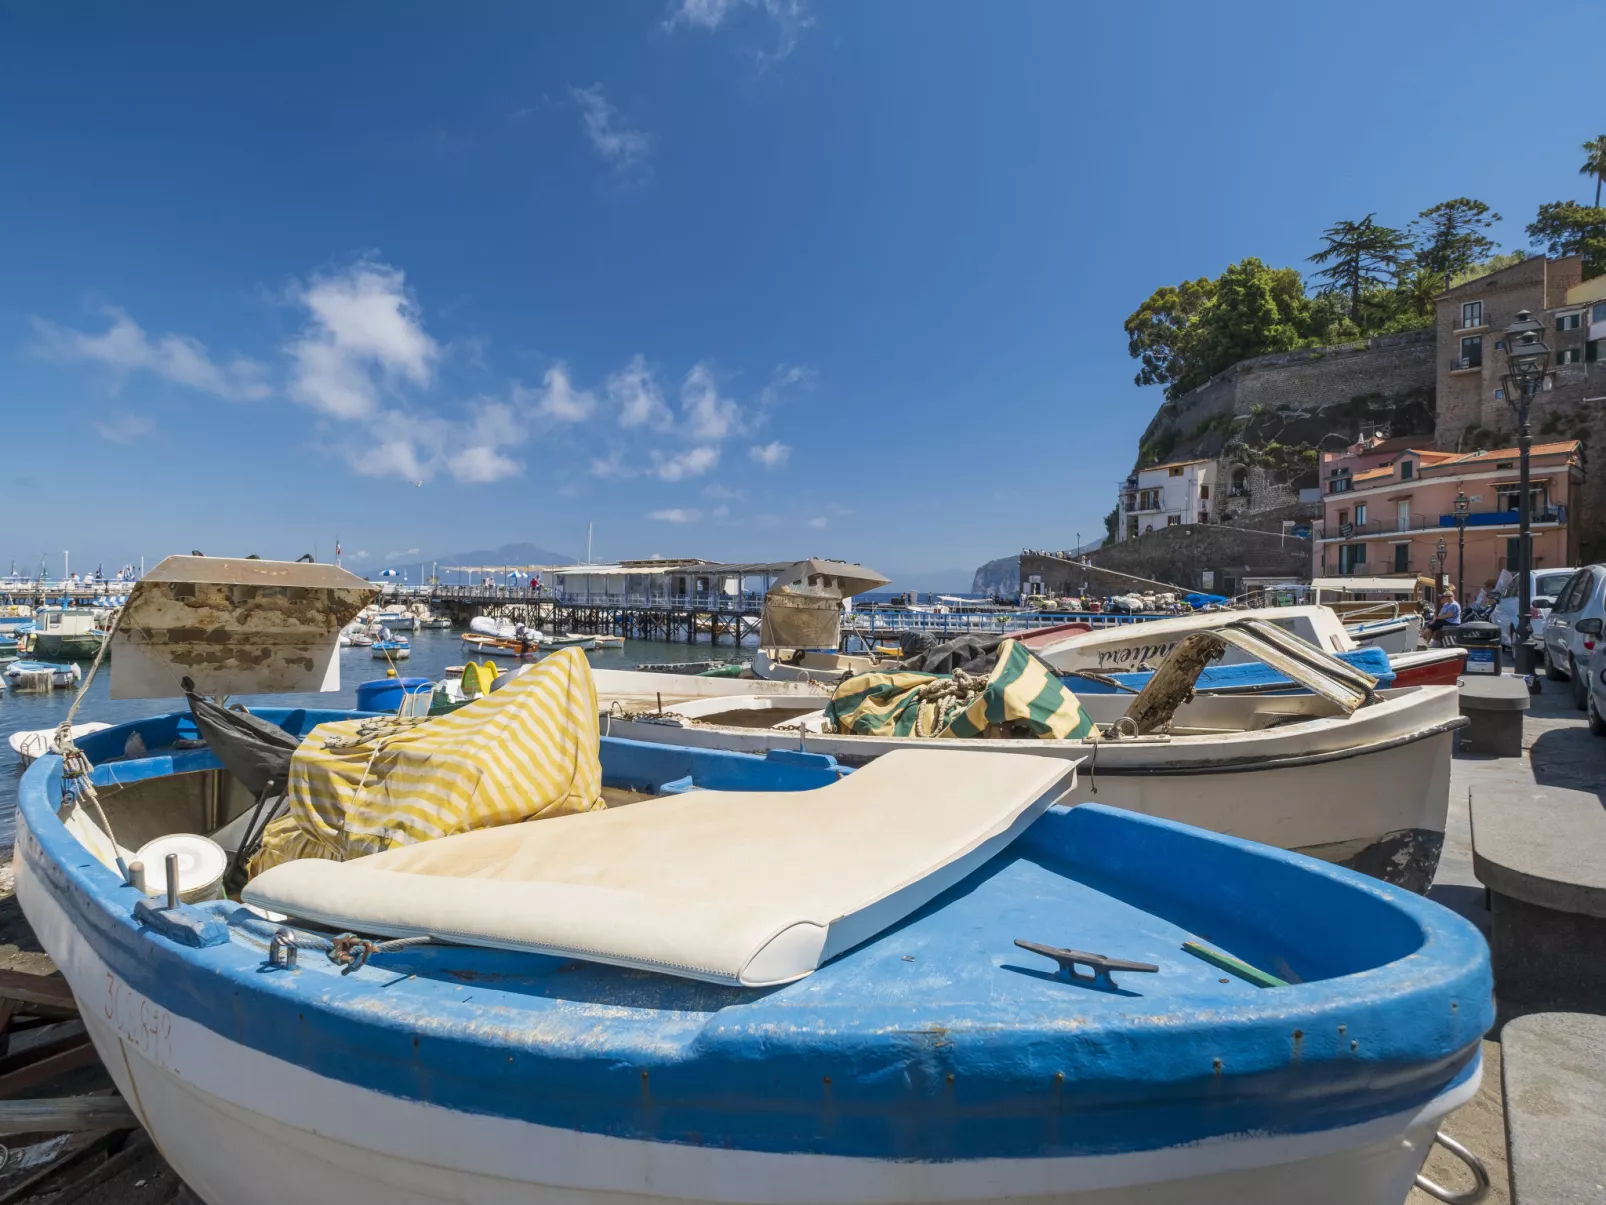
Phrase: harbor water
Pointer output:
(432, 652)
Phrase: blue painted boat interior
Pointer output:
(939, 1039)
(1244, 675)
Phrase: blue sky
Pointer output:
(730, 278)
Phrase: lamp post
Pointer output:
(1461, 505)
(1527, 359)
(1438, 578)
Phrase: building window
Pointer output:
(1351, 557)
(1360, 513)
(1343, 515)
(1402, 558)
(1499, 395)
(1567, 322)
(1173, 520)
(1177, 472)
(1339, 484)
(1204, 515)
(1204, 491)
(1513, 551)
(1472, 313)
(1511, 498)
(1592, 351)
(1472, 351)
(1149, 499)
(1568, 355)
(1598, 314)
(1407, 469)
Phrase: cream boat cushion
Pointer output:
(736, 887)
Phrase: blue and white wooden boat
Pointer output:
(1256, 1027)
(25, 675)
(1245, 677)
(391, 650)
(936, 1062)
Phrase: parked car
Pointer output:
(1547, 583)
(1573, 629)
(1595, 694)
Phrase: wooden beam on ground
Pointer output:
(52, 1060)
(65, 1114)
(38, 993)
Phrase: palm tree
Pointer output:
(1595, 164)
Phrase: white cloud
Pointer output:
(624, 149)
(481, 464)
(126, 428)
(676, 514)
(819, 521)
(611, 465)
(708, 416)
(716, 490)
(560, 400)
(182, 359)
(390, 457)
(771, 455)
(704, 14)
(791, 18)
(693, 462)
(786, 376)
(391, 556)
(635, 391)
(364, 333)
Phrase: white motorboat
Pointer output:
(33, 744)
(1401, 634)
(1367, 788)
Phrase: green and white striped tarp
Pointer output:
(1022, 698)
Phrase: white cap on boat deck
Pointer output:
(738, 887)
(201, 863)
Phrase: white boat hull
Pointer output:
(1370, 791)
(1392, 638)
(244, 1128)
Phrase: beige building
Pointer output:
(1472, 319)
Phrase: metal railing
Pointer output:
(1376, 527)
(1458, 363)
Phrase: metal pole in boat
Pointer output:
(172, 880)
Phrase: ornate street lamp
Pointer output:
(1461, 505)
(1527, 360)
(1444, 559)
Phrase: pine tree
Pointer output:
(1361, 256)
(1449, 236)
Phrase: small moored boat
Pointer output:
(31, 745)
(26, 675)
(391, 650)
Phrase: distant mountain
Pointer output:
(1001, 576)
(507, 554)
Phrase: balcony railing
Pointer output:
(1375, 527)
(1460, 363)
(1507, 518)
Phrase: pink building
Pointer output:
(1386, 506)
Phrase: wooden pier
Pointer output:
(687, 620)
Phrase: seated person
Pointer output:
(1449, 613)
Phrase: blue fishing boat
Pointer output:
(391, 650)
(745, 980)
(26, 675)
(1245, 677)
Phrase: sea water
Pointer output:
(432, 651)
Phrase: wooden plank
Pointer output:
(64, 1115)
(44, 1069)
(46, 991)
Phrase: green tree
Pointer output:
(1568, 228)
(1449, 236)
(1110, 521)
(1493, 264)
(1360, 256)
(1257, 310)
(1160, 334)
(1183, 335)
(1595, 163)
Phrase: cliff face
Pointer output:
(1002, 576)
(1298, 402)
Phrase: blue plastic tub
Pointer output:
(385, 694)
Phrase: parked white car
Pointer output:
(1573, 629)
(1595, 694)
(1547, 584)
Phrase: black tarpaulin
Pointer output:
(252, 749)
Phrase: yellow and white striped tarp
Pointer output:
(526, 752)
(1022, 698)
